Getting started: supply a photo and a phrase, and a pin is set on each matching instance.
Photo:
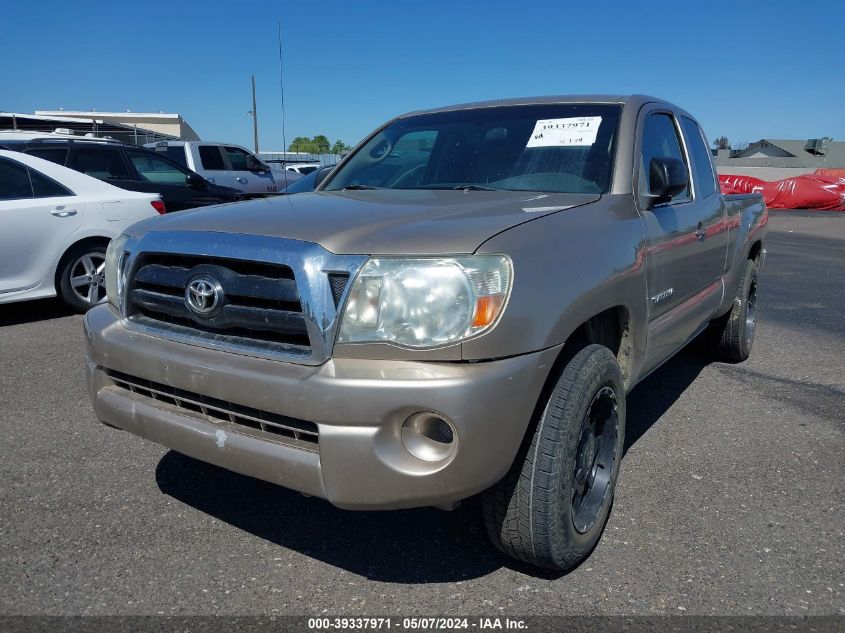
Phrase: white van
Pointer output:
(223, 164)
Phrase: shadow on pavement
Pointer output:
(405, 546)
(653, 396)
(33, 311)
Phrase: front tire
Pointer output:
(81, 277)
(551, 507)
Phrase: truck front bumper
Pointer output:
(359, 407)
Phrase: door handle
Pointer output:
(61, 212)
(701, 233)
(241, 180)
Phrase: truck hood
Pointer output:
(386, 222)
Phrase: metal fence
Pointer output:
(301, 157)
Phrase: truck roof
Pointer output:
(635, 100)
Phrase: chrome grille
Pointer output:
(261, 304)
(282, 295)
(282, 428)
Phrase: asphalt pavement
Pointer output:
(730, 498)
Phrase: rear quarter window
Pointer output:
(45, 187)
(14, 181)
(705, 180)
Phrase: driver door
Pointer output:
(683, 276)
(246, 180)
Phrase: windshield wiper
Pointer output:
(357, 187)
(474, 188)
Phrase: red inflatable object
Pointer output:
(740, 184)
(810, 191)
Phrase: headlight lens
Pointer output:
(115, 272)
(425, 302)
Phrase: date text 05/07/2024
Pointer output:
(416, 623)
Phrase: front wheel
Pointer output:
(81, 279)
(551, 507)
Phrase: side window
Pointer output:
(154, 169)
(14, 181)
(660, 138)
(56, 155)
(237, 158)
(705, 181)
(211, 158)
(45, 187)
(102, 163)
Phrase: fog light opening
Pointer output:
(428, 436)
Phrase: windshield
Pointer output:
(553, 148)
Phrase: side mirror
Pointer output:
(667, 177)
(195, 180)
(322, 174)
(253, 164)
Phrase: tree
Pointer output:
(317, 145)
(722, 143)
(322, 144)
(340, 147)
(300, 144)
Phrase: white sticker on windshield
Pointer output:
(575, 131)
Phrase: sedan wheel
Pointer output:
(82, 277)
(87, 278)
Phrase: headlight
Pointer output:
(425, 302)
(115, 272)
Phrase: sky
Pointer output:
(747, 70)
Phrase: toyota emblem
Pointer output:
(204, 295)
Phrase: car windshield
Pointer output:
(550, 148)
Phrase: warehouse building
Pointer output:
(129, 127)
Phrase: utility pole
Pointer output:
(254, 113)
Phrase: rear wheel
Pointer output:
(551, 507)
(82, 283)
(733, 333)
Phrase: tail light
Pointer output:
(158, 205)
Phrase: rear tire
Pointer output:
(81, 277)
(551, 507)
(733, 333)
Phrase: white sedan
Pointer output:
(55, 224)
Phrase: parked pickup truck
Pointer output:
(460, 307)
(224, 165)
